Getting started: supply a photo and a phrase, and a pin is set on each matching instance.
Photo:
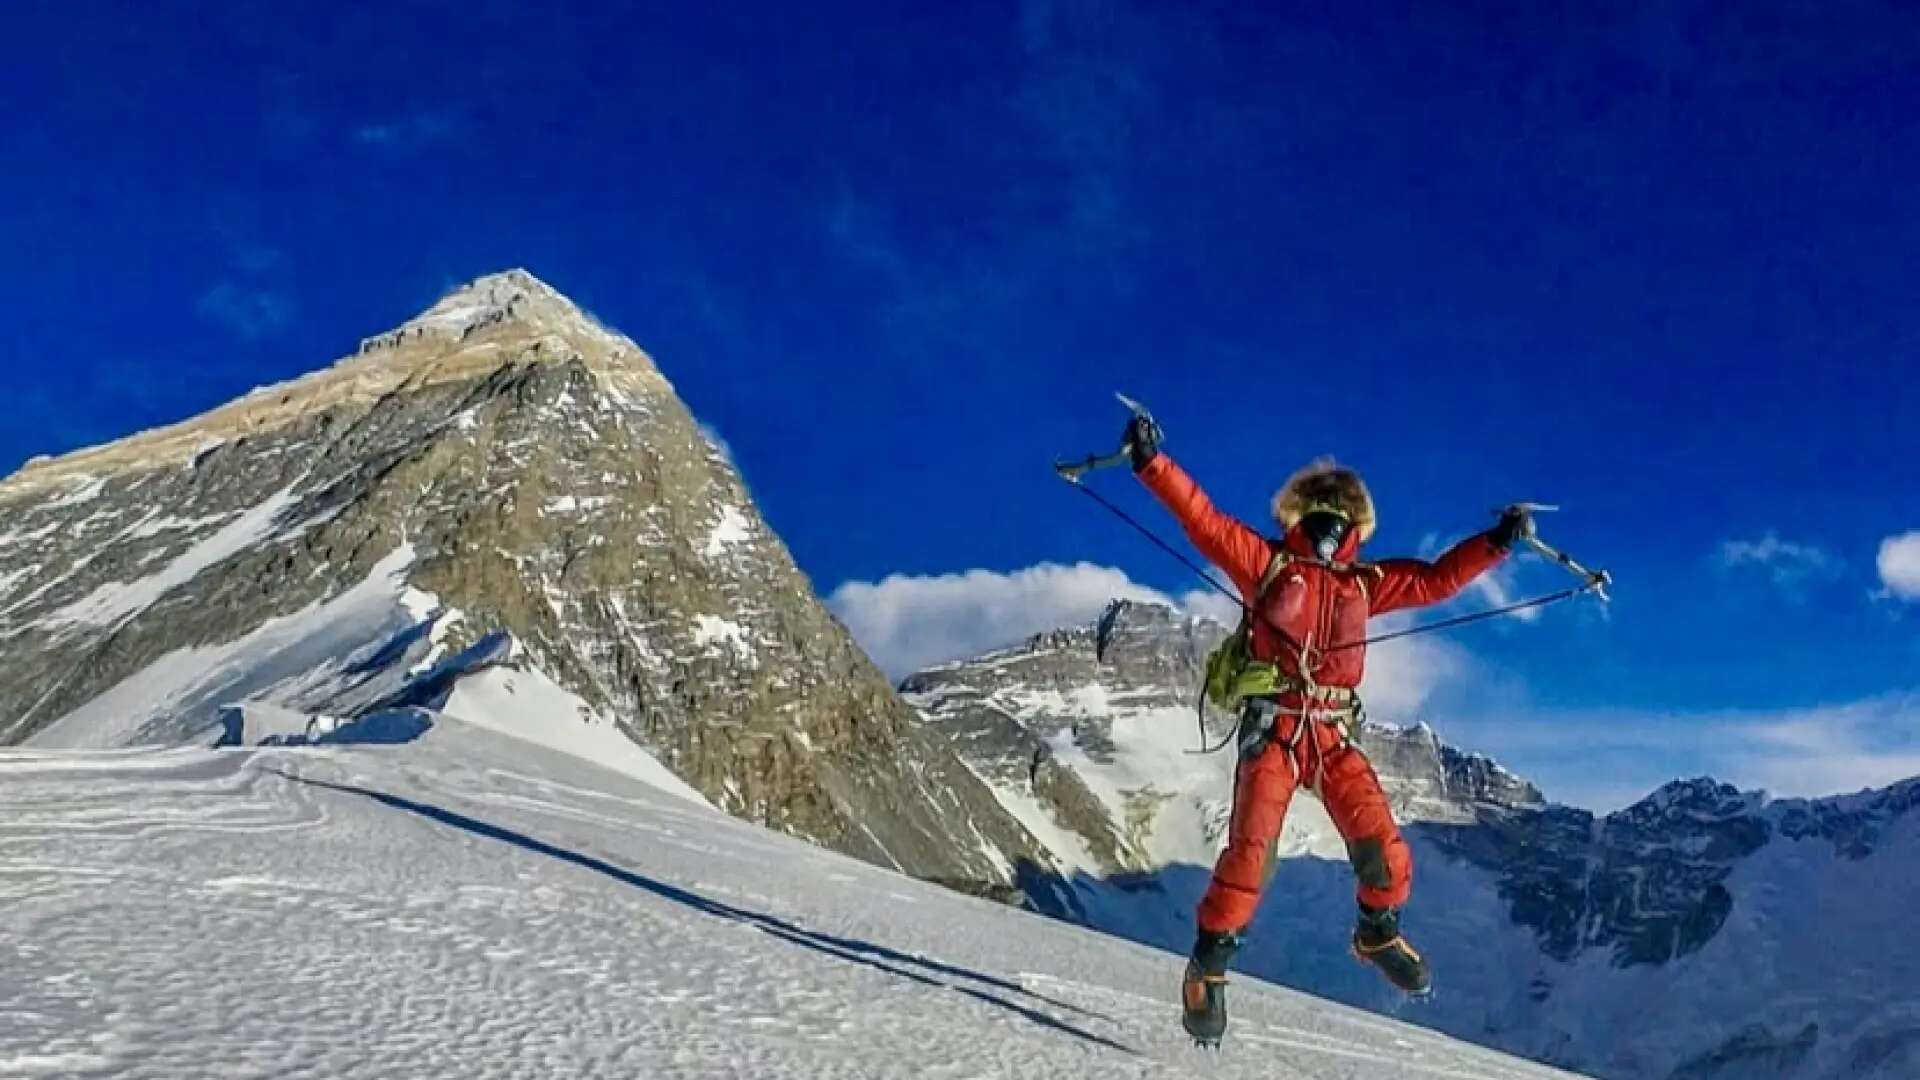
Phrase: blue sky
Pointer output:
(1654, 265)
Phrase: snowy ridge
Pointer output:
(465, 904)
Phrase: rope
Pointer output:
(1462, 620)
(1161, 544)
(1285, 637)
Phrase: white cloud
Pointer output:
(1404, 675)
(1790, 565)
(1496, 588)
(1831, 749)
(907, 623)
(1212, 604)
(1899, 565)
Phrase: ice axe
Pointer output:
(1072, 471)
(1597, 581)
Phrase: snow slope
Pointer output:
(474, 905)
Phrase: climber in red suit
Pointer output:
(1309, 600)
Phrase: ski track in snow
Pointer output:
(470, 905)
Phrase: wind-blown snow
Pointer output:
(471, 905)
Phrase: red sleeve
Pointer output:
(1406, 583)
(1222, 538)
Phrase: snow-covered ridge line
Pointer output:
(462, 336)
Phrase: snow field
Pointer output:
(475, 905)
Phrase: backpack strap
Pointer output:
(1280, 561)
(1365, 571)
(1275, 565)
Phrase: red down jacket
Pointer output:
(1318, 605)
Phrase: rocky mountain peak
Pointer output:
(506, 458)
(510, 298)
(1689, 802)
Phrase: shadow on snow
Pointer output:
(892, 961)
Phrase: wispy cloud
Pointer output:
(718, 442)
(254, 299)
(1791, 566)
(415, 127)
(1064, 151)
(1899, 565)
(1604, 759)
(1494, 588)
(249, 311)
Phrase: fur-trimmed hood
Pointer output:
(1324, 483)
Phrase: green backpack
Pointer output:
(1232, 673)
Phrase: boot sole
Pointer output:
(1422, 995)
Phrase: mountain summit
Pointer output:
(503, 485)
(468, 332)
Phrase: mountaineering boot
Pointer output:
(1377, 940)
(1203, 992)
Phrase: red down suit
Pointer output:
(1317, 605)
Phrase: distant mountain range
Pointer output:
(1701, 932)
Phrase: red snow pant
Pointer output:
(1341, 775)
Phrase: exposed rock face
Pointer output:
(1089, 727)
(1647, 883)
(1021, 717)
(506, 457)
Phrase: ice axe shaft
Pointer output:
(1597, 580)
(1072, 471)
